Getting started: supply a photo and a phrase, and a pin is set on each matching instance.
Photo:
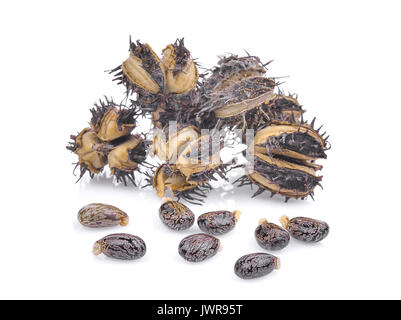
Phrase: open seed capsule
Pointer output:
(270, 236)
(120, 246)
(198, 247)
(256, 265)
(305, 229)
(175, 215)
(218, 222)
(98, 215)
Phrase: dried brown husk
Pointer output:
(125, 157)
(286, 106)
(181, 71)
(111, 122)
(143, 69)
(85, 145)
(167, 147)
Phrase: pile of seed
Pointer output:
(201, 246)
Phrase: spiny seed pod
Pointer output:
(305, 229)
(143, 72)
(125, 157)
(284, 159)
(98, 215)
(256, 265)
(85, 145)
(231, 105)
(282, 105)
(120, 246)
(270, 236)
(167, 177)
(218, 222)
(181, 72)
(167, 145)
(198, 247)
(232, 69)
(175, 215)
(111, 121)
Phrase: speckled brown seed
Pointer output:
(198, 247)
(98, 215)
(218, 222)
(256, 265)
(270, 236)
(306, 229)
(175, 215)
(120, 246)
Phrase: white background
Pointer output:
(343, 59)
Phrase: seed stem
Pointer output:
(236, 214)
(285, 221)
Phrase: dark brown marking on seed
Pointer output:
(256, 265)
(176, 216)
(306, 229)
(120, 246)
(198, 247)
(98, 215)
(271, 237)
(217, 222)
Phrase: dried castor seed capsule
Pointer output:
(270, 236)
(218, 222)
(85, 145)
(120, 246)
(256, 265)
(305, 229)
(175, 215)
(111, 121)
(98, 215)
(198, 247)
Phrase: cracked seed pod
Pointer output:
(199, 156)
(181, 71)
(125, 157)
(111, 121)
(167, 145)
(85, 145)
(232, 105)
(284, 106)
(232, 69)
(284, 159)
(142, 73)
(168, 178)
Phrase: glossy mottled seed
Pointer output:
(120, 246)
(256, 265)
(175, 215)
(218, 222)
(305, 229)
(198, 247)
(97, 215)
(270, 236)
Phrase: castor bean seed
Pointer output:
(175, 215)
(256, 265)
(270, 236)
(198, 247)
(97, 215)
(305, 229)
(218, 222)
(120, 246)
